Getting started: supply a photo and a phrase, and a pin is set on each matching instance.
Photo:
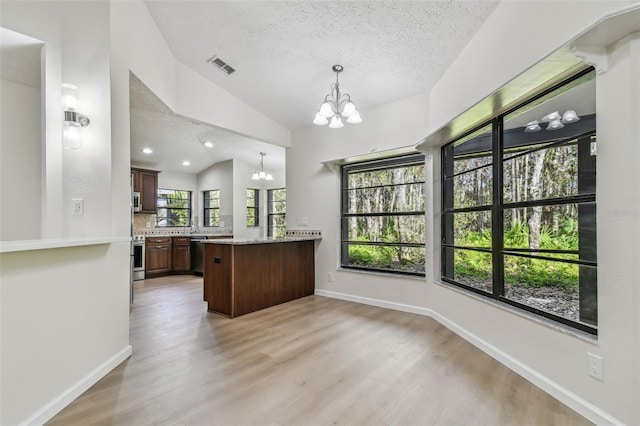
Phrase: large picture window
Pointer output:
(519, 212)
(211, 207)
(383, 223)
(174, 208)
(277, 200)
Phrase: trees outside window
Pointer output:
(174, 208)
(211, 207)
(253, 207)
(277, 201)
(383, 223)
(519, 211)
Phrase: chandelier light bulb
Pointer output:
(532, 126)
(336, 123)
(269, 176)
(555, 125)
(326, 110)
(570, 116)
(320, 119)
(255, 176)
(550, 117)
(349, 109)
(354, 118)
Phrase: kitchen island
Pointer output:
(242, 276)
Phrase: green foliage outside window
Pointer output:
(212, 208)
(253, 207)
(383, 226)
(277, 201)
(174, 208)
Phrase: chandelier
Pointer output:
(555, 120)
(335, 105)
(260, 174)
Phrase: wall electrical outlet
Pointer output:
(330, 277)
(303, 221)
(595, 367)
(78, 206)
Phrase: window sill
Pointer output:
(384, 274)
(565, 329)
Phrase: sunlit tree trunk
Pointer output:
(535, 192)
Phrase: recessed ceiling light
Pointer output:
(208, 144)
(146, 150)
(186, 163)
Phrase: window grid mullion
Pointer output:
(497, 238)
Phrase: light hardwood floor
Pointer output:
(313, 361)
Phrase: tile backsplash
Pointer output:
(307, 233)
(145, 224)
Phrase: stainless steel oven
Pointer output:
(138, 257)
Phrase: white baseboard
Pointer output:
(571, 400)
(375, 302)
(47, 412)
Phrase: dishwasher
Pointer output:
(197, 254)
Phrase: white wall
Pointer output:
(64, 324)
(65, 311)
(552, 359)
(557, 360)
(241, 181)
(83, 61)
(139, 47)
(313, 191)
(219, 176)
(20, 161)
(513, 32)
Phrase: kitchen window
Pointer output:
(212, 207)
(277, 201)
(383, 222)
(174, 208)
(253, 208)
(519, 206)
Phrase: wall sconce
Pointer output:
(73, 120)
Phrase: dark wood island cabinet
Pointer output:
(246, 276)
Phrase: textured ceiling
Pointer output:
(283, 51)
(20, 58)
(174, 138)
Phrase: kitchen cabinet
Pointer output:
(146, 183)
(181, 254)
(159, 256)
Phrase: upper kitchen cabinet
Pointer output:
(146, 183)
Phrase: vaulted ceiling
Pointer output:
(283, 52)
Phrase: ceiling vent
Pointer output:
(221, 65)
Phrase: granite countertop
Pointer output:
(243, 241)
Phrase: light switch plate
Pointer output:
(78, 206)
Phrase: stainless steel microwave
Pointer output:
(136, 202)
